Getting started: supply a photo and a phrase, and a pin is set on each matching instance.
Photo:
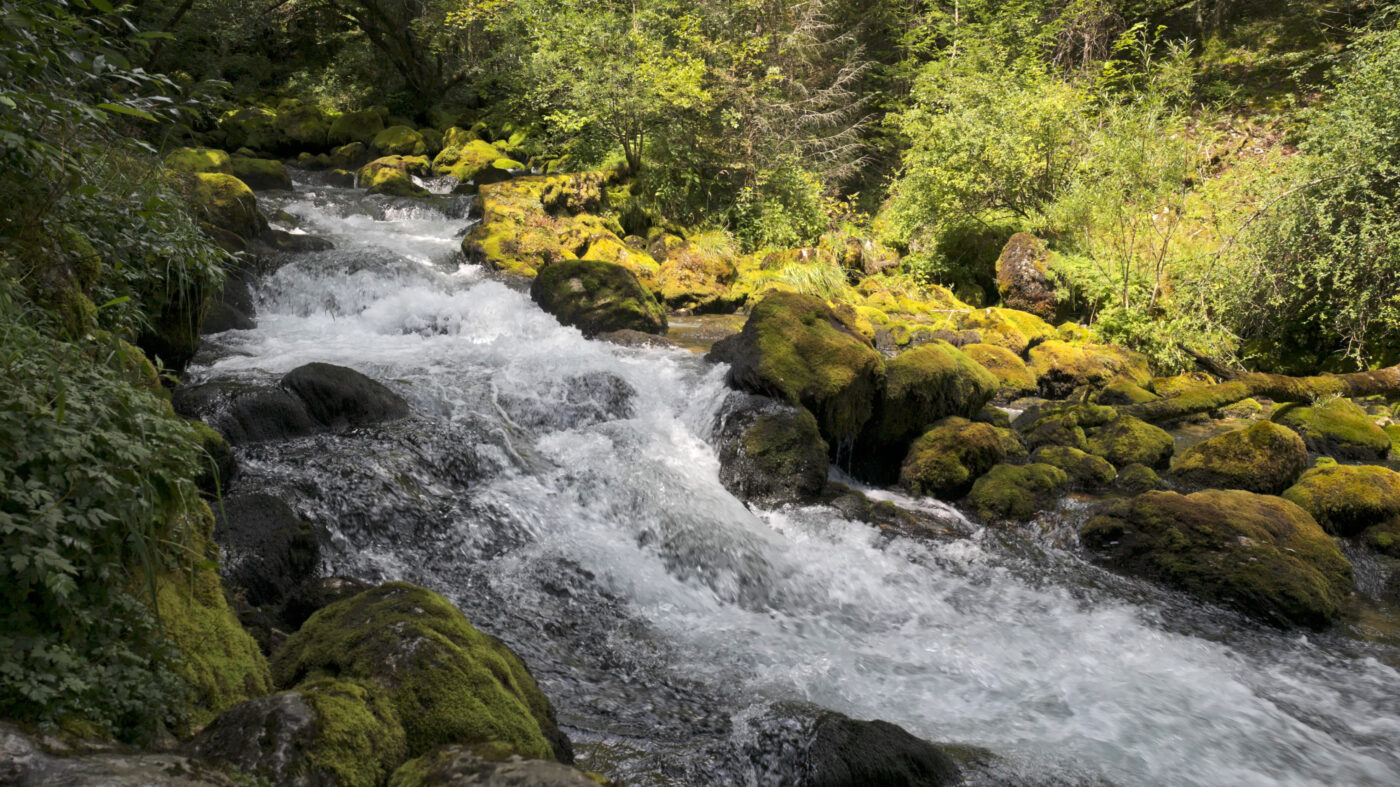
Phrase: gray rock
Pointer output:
(25, 763)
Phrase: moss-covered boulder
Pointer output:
(361, 126)
(610, 248)
(693, 280)
(1085, 470)
(1136, 479)
(326, 731)
(1127, 440)
(191, 160)
(254, 128)
(466, 160)
(1062, 425)
(922, 386)
(1347, 499)
(1023, 277)
(1384, 538)
(261, 174)
(448, 682)
(219, 660)
(302, 126)
(946, 460)
(597, 297)
(1264, 458)
(769, 451)
(1008, 328)
(795, 348)
(400, 141)
(1337, 427)
(1062, 367)
(1261, 554)
(1018, 492)
(226, 204)
(1014, 378)
(1124, 392)
(1177, 385)
(393, 176)
(351, 155)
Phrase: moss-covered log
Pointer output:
(1279, 388)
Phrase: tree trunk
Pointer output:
(1277, 387)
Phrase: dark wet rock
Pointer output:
(325, 733)
(316, 593)
(1023, 277)
(25, 763)
(631, 338)
(233, 309)
(293, 242)
(1260, 554)
(597, 297)
(246, 413)
(486, 766)
(795, 348)
(268, 549)
(218, 467)
(339, 397)
(769, 451)
(1264, 458)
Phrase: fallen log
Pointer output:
(1276, 387)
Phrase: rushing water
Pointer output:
(563, 492)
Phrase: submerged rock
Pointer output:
(326, 732)
(339, 397)
(1348, 499)
(1264, 458)
(448, 682)
(1261, 554)
(597, 297)
(769, 451)
(794, 347)
(947, 459)
(1338, 427)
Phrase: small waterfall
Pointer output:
(563, 493)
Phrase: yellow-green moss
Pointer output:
(1384, 538)
(1125, 392)
(1346, 499)
(1061, 367)
(465, 161)
(1128, 440)
(400, 141)
(698, 281)
(1138, 478)
(597, 297)
(219, 660)
(1018, 492)
(1181, 383)
(948, 458)
(610, 248)
(1336, 427)
(227, 203)
(192, 160)
(361, 126)
(259, 173)
(1085, 470)
(1264, 458)
(360, 739)
(924, 385)
(392, 175)
(1247, 408)
(1008, 328)
(1013, 377)
(1261, 554)
(448, 682)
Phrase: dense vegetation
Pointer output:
(1215, 179)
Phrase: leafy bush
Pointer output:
(94, 479)
(784, 209)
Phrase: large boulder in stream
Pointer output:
(597, 297)
(393, 176)
(1023, 277)
(1264, 458)
(1348, 499)
(769, 451)
(1018, 492)
(795, 348)
(1337, 427)
(448, 682)
(1260, 554)
(948, 459)
(261, 174)
(325, 732)
(339, 397)
(246, 413)
(226, 205)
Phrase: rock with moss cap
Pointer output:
(948, 458)
(769, 451)
(1023, 277)
(696, 281)
(361, 126)
(1085, 470)
(488, 765)
(465, 160)
(393, 176)
(448, 682)
(1127, 440)
(1384, 538)
(326, 731)
(1264, 458)
(250, 127)
(302, 125)
(261, 174)
(1008, 328)
(1062, 367)
(400, 141)
(1014, 378)
(1018, 492)
(1138, 478)
(226, 204)
(1347, 499)
(1336, 427)
(191, 160)
(1050, 424)
(1124, 392)
(597, 297)
(795, 348)
(922, 387)
(1261, 554)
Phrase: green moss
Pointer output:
(261, 173)
(191, 160)
(400, 141)
(1125, 392)
(359, 739)
(1014, 378)
(456, 137)
(1264, 458)
(226, 203)
(250, 127)
(1063, 425)
(1346, 499)
(597, 297)
(1336, 427)
(1061, 367)
(794, 346)
(927, 384)
(1393, 432)
(610, 248)
(694, 280)
(465, 161)
(1085, 470)
(1175, 386)
(1384, 538)
(448, 682)
(1128, 440)
(1006, 328)
(392, 175)
(1137, 479)
(219, 660)
(218, 462)
(1018, 492)
(507, 165)
(302, 125)
(948, 458)
(1261, 554)
(361, 126)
